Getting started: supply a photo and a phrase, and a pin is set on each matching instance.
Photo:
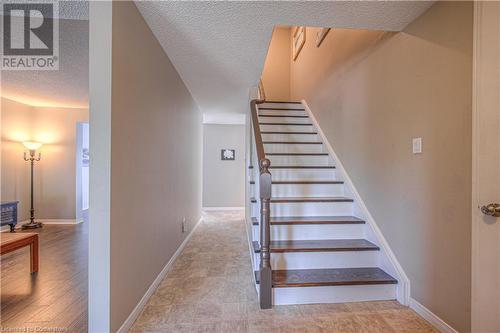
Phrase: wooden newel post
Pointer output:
(266, 297)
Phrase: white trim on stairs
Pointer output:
(212, 209)
(127, 324)
(428, 315)
(403, 289)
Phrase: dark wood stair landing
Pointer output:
(323, 245)
(329, 277)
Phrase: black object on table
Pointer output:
(9, 214)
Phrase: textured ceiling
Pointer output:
(70, 10)
(66, 87)
(219, 47)
(73, 10)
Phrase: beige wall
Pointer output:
(55, 174)
(372, 92)
(155, 161)
(276, 73)
(223, 181)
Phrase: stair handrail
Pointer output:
(264, 188)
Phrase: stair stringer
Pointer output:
(387, 259)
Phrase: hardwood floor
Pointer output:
(55, 297)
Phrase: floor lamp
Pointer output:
(32, 147)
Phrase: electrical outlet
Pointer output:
(417, 145)
(183, 225)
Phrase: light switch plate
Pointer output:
(417, 145)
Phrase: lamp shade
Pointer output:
(31, 145)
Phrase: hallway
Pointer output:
(210, 289)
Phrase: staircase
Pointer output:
(318, 247)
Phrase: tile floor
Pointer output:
(210, 289)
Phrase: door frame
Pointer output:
(478, 314)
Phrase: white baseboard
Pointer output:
(127, 324)
(61, 221)
(211, 209)
(6, 228)
(425, 313)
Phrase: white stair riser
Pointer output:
(291, 137)
(311, 209)
(281, 105)
(303, 174)
(282, 112)
(312, 232)
(333, 294)
(317, 260)
(304, 190)
(300, 160)
(293, 148)
(287, 128)
(307, 209)
(288, 120)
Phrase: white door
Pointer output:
(486, 169)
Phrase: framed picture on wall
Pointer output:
(320, 36)
(227, 154)
(299, 39)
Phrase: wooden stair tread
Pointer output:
(304, 182)
(298, 220)
(281, 109)
(284, 132)
(285, 102)
(282, 116)
(299, 167)
(293, 142)
(322, 245)
(297, 154)
(307, 199)
(329, 277)
(302, 167)
(287, 124)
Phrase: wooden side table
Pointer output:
(11, 242)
